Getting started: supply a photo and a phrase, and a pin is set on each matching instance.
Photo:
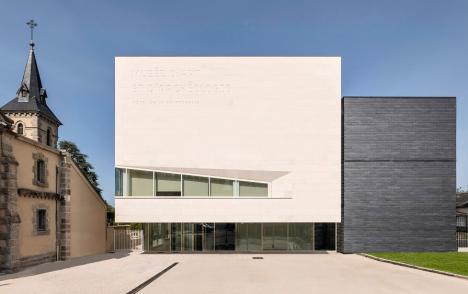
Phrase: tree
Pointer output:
(110, 214)
(81, 161)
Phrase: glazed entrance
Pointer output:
(240, 237)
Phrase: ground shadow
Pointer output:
(59, 265)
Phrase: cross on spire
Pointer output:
(32, 24)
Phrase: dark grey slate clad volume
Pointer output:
(398, 174)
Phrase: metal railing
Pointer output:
(462, 231)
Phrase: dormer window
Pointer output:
(23, 94)
(20, 129)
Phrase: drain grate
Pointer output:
(257, 257)
(150, 280)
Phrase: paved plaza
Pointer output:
(228, 273)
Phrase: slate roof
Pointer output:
(35, 98)
(5, 121)
(462, 200)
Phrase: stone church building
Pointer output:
(48, 209)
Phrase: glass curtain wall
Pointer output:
(187, 237)
(301, 237)
(157, 237)
(208, 236)
(225, 234)
(176, 237)
(249, 237)
(275, 236)
(241, 237)
(197, 237)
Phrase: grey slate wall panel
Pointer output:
(399, 128)
(398, 175)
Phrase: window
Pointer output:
(24, 90)
(141, 183)
(40, 171)
(168, 185)
(221, 187)
(119, 177)
(48, 138)
(41, 225)
(20, 129)
(253, 189)
(195, 186)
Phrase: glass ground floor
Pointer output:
(240, 237)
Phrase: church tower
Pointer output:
(31, 116)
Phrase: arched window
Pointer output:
(48, 138)
(20, 129)
(40, 171)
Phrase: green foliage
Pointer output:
(453, 262)
(110, 214)
(81, 161)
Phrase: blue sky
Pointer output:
(396, 47)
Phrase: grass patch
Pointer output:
(453, 262)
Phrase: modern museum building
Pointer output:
(257, 154)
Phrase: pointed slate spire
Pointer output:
(31, 96)
(31, 85)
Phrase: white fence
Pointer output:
(123, 238)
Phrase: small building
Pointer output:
(462, 203)
(48, 209)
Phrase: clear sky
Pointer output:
(395, 47)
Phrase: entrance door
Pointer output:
(324, 236)
(225, 236)
(203, 237)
